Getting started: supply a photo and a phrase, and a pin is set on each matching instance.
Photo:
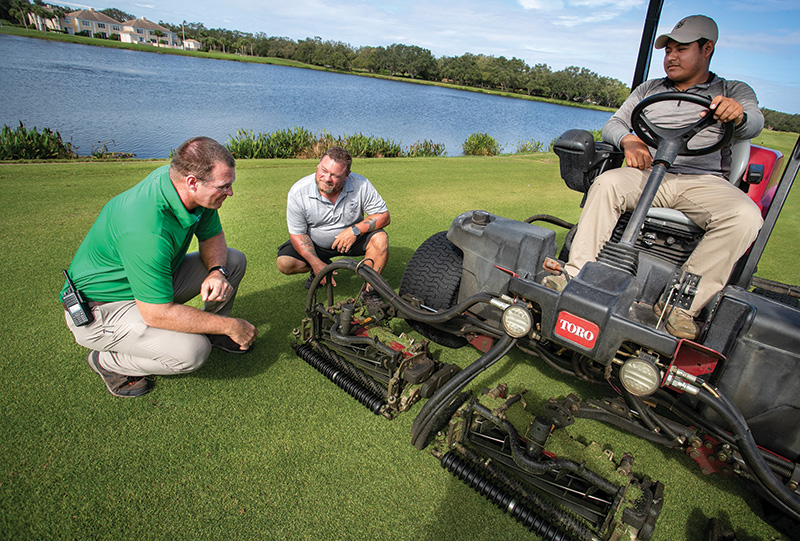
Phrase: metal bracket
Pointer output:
(681, 289)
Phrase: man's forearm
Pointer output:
(304, 246)
(374, 221)
(214, 251)
(181, 318)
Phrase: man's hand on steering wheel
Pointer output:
(671, 142)
(726, 110)
(637, 154)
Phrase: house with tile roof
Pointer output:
(144, 31)
(94, 23)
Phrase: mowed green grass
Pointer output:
(262, 446)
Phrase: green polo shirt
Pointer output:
(138, 241)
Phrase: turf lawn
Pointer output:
(261, 446)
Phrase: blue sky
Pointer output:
(759, 41)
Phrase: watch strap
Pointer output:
(220, 268)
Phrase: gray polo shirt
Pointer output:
(309, 212)
(678, 114)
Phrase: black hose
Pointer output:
(502, 499)
(550, 359)
(653, 421)
(405, 309)
(551, 220)
(342, 380)
(424, 422)
(779, 465)
(597, 414)
(341, 339)
(537, 468)
(782, 497)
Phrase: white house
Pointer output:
(144, 31)
(192, 45)
(96, 24)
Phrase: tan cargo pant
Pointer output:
(127, 346)
(731, 221)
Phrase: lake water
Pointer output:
(150, 103)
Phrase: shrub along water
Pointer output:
(29, 144)
(481, 144)
(301, 143)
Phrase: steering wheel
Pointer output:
(677, 138)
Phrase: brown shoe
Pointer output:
(117, 384)
(680, 323)
(556, 282)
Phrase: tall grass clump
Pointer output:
(529, 147)
(30, 144)
(426, 149)
(363, 146)
(481, 144)
(301, 143)
(292, 143)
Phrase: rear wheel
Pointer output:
(433, 274)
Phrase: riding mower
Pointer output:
(728, 399)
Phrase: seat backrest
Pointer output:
(740, 156)
(772, 160)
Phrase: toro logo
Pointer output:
(576, 330)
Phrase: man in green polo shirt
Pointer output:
(134, 271)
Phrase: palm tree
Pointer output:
(41, 15)
(20, 10)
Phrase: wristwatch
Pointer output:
(356, 231)
(221, 268)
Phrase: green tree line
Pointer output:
(513, 75)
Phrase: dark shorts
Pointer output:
(358, 248)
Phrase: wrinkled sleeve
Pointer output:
(373, 202)
(296, 214)
(619, 125)
(746, 97)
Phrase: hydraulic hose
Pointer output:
(652, 420)
(405, 309)
(535, 467)
(779, 465)
(424, 422)
(339, 338)
(782, 496)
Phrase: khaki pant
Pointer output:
(127, 346)
(731, 221)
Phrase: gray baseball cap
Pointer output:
(690, 29)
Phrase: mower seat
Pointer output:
(754, 169)
(740, 153)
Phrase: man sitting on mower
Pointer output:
(695, 185)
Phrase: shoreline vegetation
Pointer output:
(23, 143)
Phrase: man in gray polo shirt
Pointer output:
(695, 185)
(332, 213)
